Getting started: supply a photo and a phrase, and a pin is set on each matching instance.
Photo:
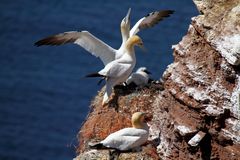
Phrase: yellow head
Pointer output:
(134, 41)
(138, 120)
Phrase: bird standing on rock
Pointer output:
(140, 77)
(127, 138)
(114, 72)
(117, 71)
(97, 47)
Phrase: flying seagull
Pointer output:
(127, 138)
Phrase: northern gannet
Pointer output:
(117, 71)
(140, 77)
(97, 47)
(127, 138)
(91, 43)
(100, 49)
(149, 21)
(146, 22)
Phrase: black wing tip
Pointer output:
(157, 12)
(38, 44)
(167, 12)
(94, 75)
(52, 41)
(170, 11)
(96, 146)
(42, 42)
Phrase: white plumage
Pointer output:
(97, 47)
(127, 138)
(146, 22)
(117, 71)
(140, 77)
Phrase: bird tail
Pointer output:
(94, 75)
(96, 146)
(100, 81)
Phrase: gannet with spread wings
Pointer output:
(97, 47)
(106, 53)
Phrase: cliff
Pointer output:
(195, 111)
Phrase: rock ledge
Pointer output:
(196, 115)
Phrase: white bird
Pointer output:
(117, 71)
(127, 138)
(140, 77)
(97, 47)
(146, 22)
(91, 43)
(100, 49)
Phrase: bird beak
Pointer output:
(142, 47)
(127, 18)
(147, 117)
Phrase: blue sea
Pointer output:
(44, 98)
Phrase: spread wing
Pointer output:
(86, 40)
(150, 20)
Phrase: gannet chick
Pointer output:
(140, 77)
(127, 138)
(117, 71)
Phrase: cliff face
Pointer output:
(197, 113)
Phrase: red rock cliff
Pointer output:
(196, 115)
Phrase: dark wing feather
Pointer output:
(59, 39)
(154, 17)
(84, 39)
